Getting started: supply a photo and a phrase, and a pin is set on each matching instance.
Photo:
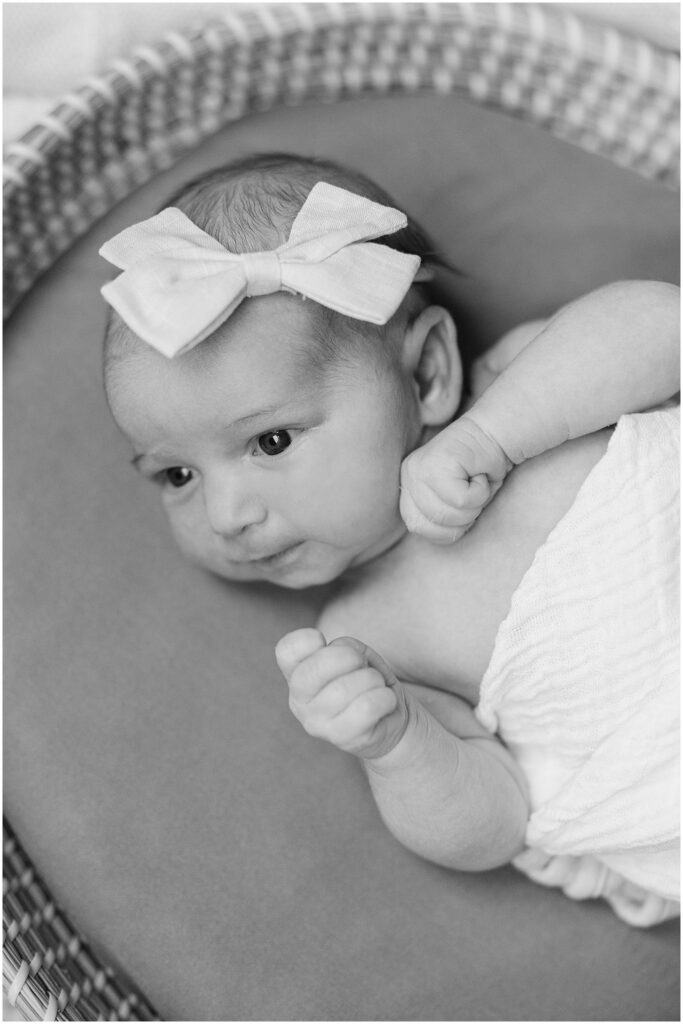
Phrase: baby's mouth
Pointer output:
(279, 558)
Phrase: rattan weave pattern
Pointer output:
(49, 970)
(608, 93)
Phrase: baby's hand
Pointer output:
(446, 483)
(343, 692)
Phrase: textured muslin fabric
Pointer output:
(583, 685)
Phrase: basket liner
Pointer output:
(236, 868)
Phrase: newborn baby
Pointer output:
(507, 671)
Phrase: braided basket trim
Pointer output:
(49, 970)
(607, 92)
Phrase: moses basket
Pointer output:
(611, 94)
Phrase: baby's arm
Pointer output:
(444, 786)
(614, 351)
(491, 364)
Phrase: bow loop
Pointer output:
(179, 284)
(340, 217)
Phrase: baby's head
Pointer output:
(276, 441)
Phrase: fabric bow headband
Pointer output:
(179, 284)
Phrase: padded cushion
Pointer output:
(235, 867)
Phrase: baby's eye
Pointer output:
(177, 476)
(274, 442)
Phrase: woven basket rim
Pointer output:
(587, 84)
(559, 29)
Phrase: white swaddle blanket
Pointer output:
(583, 685)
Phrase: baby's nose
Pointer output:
(230, 506)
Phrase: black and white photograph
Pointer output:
(341, 511)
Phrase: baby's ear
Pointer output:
(432, 358)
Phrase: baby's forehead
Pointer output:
(279, 335)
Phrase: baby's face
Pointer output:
(270, 469)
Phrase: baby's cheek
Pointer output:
(187, 534)
(198, 544)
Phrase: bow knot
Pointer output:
(262, 271)
(179, 283)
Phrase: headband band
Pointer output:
(179, 284)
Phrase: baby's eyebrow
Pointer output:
(142, 456)
(267, 410)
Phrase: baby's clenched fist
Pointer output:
(343, 692)
(446, 483)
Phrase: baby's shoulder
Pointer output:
(393, 605)
(538, 493)
(433, 612)
(366, 601)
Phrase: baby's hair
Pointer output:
(250, 204)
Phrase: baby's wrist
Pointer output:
(493, 460)
(407, 746)
(518, 429)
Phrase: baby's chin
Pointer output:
(301, 579)
(307, 564)
(296, 573)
